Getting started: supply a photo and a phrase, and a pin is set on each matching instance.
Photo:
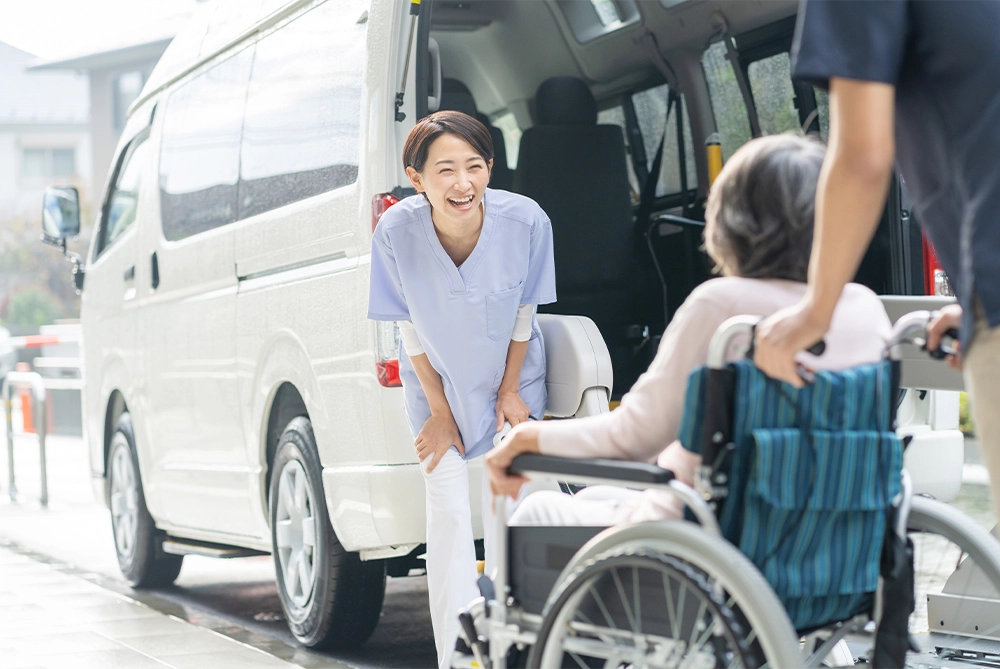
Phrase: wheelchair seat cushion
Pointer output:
(811, 477)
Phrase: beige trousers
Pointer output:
(982, 381)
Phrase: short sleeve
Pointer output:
(386, 301)
(849, 39)
(540, 284)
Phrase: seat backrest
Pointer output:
(810, 471)
(456, 96)
(575, 169)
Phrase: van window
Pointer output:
(301, 133)
(823, 107)
(200, 155)
(616, 116)
(730, 111)
(771, 84)
(650, 111)
(120, 212)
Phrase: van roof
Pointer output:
(213, 29)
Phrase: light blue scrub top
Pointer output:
(464, 316)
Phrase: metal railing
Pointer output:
(37, 384)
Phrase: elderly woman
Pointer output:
(759, 224)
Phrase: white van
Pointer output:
(238, 401)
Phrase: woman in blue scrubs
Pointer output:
(461, 268)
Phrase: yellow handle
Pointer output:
(714, 150)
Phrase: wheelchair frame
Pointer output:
(494, 623)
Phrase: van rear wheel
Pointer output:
(331, 598)
(138, 543)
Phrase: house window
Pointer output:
(125, 90)
(48, 163)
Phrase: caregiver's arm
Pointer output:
(440, 432)
(849, 200)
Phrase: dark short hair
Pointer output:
(761, 208)
(429, 128)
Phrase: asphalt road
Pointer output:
(237, 598)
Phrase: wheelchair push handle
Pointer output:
(911, 328)
(745, 326)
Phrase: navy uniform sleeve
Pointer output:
(849, 39)
(540, 284)
(386, 301)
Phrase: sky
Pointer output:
(54, 29)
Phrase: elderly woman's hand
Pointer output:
(522, 439)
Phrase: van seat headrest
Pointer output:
(457, 101)
(565, 101)
(449, 85)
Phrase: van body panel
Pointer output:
(190, 402)
(109, 307)
(109, 353)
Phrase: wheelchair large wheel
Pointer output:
(640, 610)
(957, 565)
(735, 617)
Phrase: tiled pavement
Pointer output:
(52, 619)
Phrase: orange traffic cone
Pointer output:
(24, 393)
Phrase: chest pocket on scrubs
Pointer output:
(501, 310)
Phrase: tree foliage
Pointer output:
(35, 279)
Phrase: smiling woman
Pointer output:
(461, 267)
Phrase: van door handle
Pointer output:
(154, 274)
(129, 273)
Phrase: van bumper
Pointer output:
(381, 506)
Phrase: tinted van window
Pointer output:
(727, 102)
(200, 155)
(303, 114)
(771, 84)
(650, 111)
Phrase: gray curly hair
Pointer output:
(759, 214)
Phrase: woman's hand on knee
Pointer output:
(438, 434)
(511, 408)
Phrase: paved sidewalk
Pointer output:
(51, 618)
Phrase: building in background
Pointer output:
(115, 79)
(44, 133)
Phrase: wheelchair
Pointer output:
(796, 550)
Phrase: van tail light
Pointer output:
(386, 333)
(380, 203)
(935, 280)
(387, 354)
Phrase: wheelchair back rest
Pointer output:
(811, 479)
(578, 373)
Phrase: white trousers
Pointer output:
(593, 506)
(451, 553)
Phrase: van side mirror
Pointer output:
(60, 214)
(61, 220)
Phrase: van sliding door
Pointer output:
(201, 473)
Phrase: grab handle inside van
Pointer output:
(434, 100)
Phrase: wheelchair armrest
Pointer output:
(619, 470)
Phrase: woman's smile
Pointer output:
(454, 179)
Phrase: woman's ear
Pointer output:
(489, 166)
(415, 179)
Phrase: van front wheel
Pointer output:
(331, 598)
(137, 541)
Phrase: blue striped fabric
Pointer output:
(812, 517)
